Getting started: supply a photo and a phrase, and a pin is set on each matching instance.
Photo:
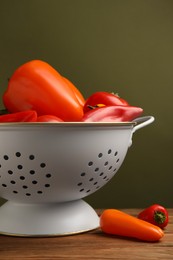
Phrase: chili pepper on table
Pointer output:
(116, 222)
(112, 114)
(104, 98)
(156, 215)
(23, 116)
(38, 86)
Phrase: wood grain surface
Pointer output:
(90, 245)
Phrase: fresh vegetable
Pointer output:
(104, 98)
(119, 223)
(27, 116)
(38, 86)
(23, 116)
(49, 118)
(156, 215)
(78, 94)
(112, 114)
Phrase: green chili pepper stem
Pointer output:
(159, 217)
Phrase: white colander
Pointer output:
(47, 168)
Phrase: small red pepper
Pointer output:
(23, 116)
(112, 114)
(155, 214)
(104, 98)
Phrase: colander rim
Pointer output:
(68, 124)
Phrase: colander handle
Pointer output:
(142, 121)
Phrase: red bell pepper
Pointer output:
(112, 114)
(38, 86)
(78, 94)
(23, 116)
(104, 98)
(155, 214)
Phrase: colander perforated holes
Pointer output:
(90, 163)
(32, 172)
(24, 174)
(18, 154)
(99, 170)
(20, 167)
(31, 157)
(42, 165)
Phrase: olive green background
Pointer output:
(123, 46)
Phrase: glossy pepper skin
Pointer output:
(23, 116)
(116, 222)
(112, 114)
(156, 215)
(37, 86)
(104, 98)
(78, 94)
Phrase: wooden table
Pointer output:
(91, 245)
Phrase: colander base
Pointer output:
(52, 219)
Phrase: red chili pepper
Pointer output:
(155, 214)
(104, 98)
(38, 86)
(112, 114)
(49, 118)
(23, 116)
